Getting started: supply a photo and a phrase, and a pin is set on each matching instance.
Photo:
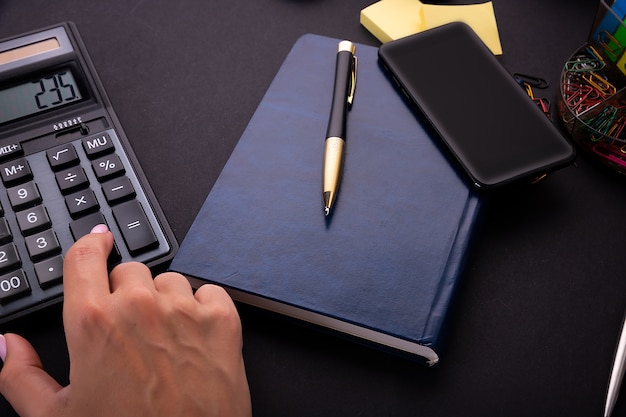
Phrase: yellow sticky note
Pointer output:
(393, 19)
(480, 17)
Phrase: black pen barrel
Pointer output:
(339, 106)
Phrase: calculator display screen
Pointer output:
(38, 95)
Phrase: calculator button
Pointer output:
(5, 232)
(15, 171)
(81, 202)
(24, 195)
(108, 167)
(49, 271)
(33, 220)
(136, 229)
(13, 285)
(42, 244)
(83, 226)
(118, 189)
(71, 179)
(98, 145)
(9, 258)
(62, 156)
(11, 151)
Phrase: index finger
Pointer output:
(85, 273)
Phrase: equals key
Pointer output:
(135, 227)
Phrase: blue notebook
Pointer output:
(384, 268)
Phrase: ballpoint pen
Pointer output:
(343, 95)
(617, 373)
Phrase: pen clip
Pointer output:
(352, 80)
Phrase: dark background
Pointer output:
(539, 310)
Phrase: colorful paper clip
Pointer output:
(584, 63)
(612, 47)
(600, 83)
(602, 122)
(544, 105)
(609, 153)
(527, 82)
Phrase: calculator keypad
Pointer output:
(53, 197)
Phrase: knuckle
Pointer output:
(129, 269)
(173, 276)
(139, 297)
(171, 279)
(212, 291)
(225, 315)
(218, 308)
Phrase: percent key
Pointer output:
(108, 167)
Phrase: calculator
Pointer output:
(65, 166)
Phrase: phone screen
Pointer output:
(488, 122)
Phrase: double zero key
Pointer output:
(13, 284)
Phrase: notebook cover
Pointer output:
(384, 267)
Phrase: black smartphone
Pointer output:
(483, 116)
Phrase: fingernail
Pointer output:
(100, 228)
(3, 348)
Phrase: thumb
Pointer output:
(23, 379)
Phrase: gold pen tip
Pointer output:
(326, 211)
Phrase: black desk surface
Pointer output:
(540, 307)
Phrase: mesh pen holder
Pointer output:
(592, 97)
